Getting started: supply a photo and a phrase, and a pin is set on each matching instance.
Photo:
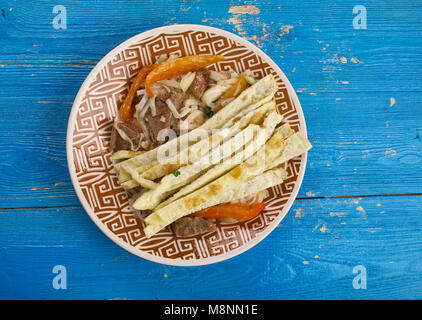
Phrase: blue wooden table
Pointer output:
(359, 211)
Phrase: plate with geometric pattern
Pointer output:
(88, 141)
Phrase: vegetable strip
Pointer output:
(236, 211)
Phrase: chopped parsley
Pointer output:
(209, 112)
(176, 173)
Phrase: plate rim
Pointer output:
(70, 161)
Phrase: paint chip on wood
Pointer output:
(299, 213)
(244, 10)
(285, 30)
(323, 229)
(337, 214)
(311, 194)
(390, 152)
(355, 60)
(392, 101)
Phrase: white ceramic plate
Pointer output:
(88, 138)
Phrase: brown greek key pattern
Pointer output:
(91, 138)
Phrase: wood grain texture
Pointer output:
(310, 255)
(361, 94)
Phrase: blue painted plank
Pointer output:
(319, 43)
(311, 255)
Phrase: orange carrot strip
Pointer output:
(178, 66)
(228, 210)
(126, 108)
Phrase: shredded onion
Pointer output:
(228, 82)
(187, 80)
(162, 58)
(184, 111)
(212, 94)
(233, 74)
(156, 88)
(173, 56)
(253, 198)
(173, 109)
(125, 154)
(141, 106)
(125, 137)
(152, 106)
(249, 76)
(145, 130)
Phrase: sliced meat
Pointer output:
(142, 214)
(162, 119)
(133, 135)
(135, 192)
(189, 226)
(200, 83)
(133, 195)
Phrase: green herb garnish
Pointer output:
(209, 112)
(176, 173)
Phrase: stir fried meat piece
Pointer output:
(200, 83)
(132, 132)
(142, 214)
(135, 192)
(133, 195)
(189, 226)
(162, 119)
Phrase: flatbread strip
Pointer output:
(263, 88)
(224, 167)
(199, 149)
(187, 174)
(189, 155)
(125, 154)
(170, 183)
(158, 169)
(211, 194)
(256, 184)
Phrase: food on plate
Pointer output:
(193, 146)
